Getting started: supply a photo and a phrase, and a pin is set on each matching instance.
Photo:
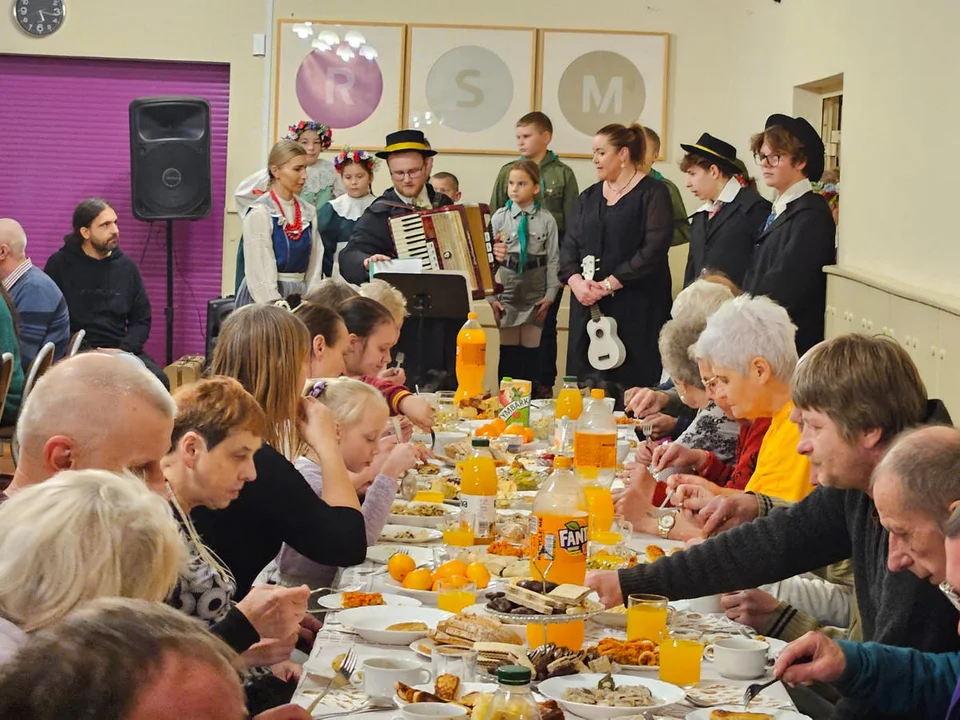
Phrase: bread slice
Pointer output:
(736, 715)
(466, 629)
(446, 687)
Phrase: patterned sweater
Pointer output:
(42, 311)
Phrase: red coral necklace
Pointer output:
(295, 229)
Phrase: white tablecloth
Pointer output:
(335, 639)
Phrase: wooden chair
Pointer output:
(73, 347)
(41, 363)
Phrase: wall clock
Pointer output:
(39, 17)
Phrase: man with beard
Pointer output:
(102, 286)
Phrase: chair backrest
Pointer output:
(73, 347)
(6, 376)
(41, 363)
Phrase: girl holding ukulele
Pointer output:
(528, 250)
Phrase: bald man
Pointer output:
(41, 308)
(95, 410)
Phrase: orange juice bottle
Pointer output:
(595, 441)
(471, 359)
(559, 529)
(569, 405)
(478, 491)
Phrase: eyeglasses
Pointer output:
(951, 595)
(709, 384)
(400, 174)
(772, 160)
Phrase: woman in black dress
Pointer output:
(625, 221)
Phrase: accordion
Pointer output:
(455, 237)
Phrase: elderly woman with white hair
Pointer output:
(82, 535)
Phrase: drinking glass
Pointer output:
(624, 528)
(681, 654)
(446, 417)
(454, 594)
(647, 617)
(458, 530)
(461, 662)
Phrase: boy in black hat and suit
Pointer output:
(724, 230)
(797, 238)
(406, 154)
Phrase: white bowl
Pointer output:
(371, 622)
(381, 554)
(335, 601)
(446, 711)
(424, 521)
(554, 688)
(623, 449)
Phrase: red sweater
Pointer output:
(391, 391)
(734, 476)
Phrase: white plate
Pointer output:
(423, 647)
(335, 601)
(382, 553)
(371, 622)
(704, 714)
(554, 688)
(425, 521)
(465, 689)
(429, 597)
(408, 534)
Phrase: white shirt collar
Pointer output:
(423, 198)
(351, 208)
(727, 195)
(790, 194)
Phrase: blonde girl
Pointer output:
(280, 249)
(361, 414)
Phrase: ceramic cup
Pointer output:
(738, 658)
(380, 675)
(705, 605)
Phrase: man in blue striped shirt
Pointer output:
(42, 311)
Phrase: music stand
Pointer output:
(436, 295)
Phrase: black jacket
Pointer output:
(105, 297)
(371, 236)
(788, 263)
(725, 243)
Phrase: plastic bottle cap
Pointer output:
(569, 378)
(480, 442)
(597, 394)
(472, 315)
(507, 379)
(562, 462)
(514, 675)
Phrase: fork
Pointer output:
(696, 702)
(647, 429)
(339, 680)
(755, 689)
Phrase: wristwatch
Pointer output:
(665, 524)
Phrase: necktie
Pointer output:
(717, 206)
(770, 218)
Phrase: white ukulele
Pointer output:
(606, 350)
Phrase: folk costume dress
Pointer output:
(631, 241)
(281, 248)
(335, 223)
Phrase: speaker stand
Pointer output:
(168, 310)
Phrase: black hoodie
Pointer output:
(105, 297)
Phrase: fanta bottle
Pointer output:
(568, 407)
(559, 528)
(471, 359)
(478, 491)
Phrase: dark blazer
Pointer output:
(726, 241)
(371, 236)
(788, 262)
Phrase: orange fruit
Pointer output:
(400, 565)
(486, 430)
(514, 429)
(478, 573)
(498, 424)
(451, 582)
(451, 568)
(421, 579)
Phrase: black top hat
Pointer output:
(717, 150)
(406, 141)
(808, 137)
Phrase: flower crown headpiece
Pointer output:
(325, 133)
(360, 157)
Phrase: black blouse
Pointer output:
(279, 507)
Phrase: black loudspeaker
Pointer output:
(217, 311)
(170, 158)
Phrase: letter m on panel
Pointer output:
(592, 97)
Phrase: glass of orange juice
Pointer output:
(458, 531)
(681, 654)
(647, 617)
(600, 507)
(455, 594)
